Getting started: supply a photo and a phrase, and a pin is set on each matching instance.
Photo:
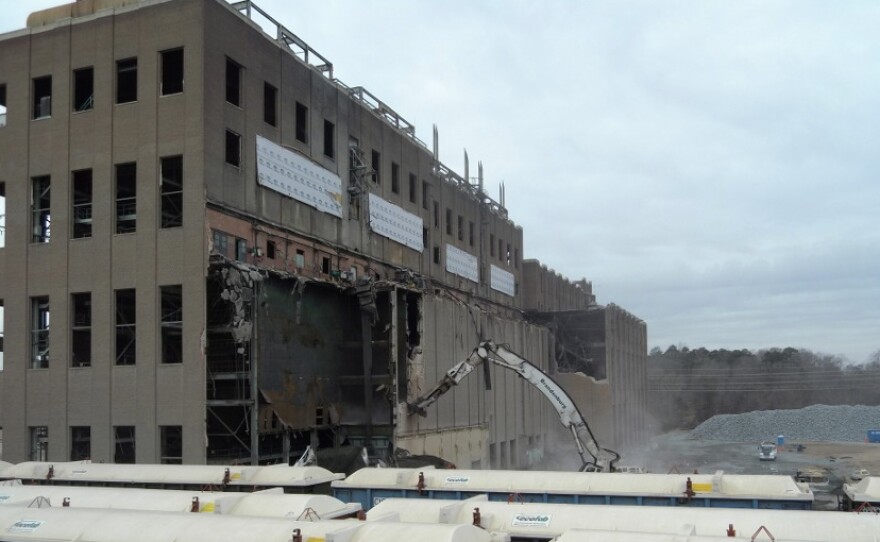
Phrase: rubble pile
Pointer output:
(838, 423)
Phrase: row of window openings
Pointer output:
(170, 443)
(84, 85)
(125, 343)
(171, 195)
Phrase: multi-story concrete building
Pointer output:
(216, 252)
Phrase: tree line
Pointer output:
(686, 387)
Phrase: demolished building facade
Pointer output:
(218, 252)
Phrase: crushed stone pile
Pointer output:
(839, 423)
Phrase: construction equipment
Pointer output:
(593, 457)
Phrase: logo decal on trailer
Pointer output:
(25, 526)
(531, 520)
(458, 479)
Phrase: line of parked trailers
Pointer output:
(90, 502)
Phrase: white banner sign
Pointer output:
(391, 221)
(531, 520)
(464, 264)
(297, 177)
(502, 281)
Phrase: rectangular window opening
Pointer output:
(41, 219)
(376, 164)
(460, 228)
(448, 221)
(126, 198)
(81, 330)
(300, 258)
(325, 265)
(123, 451)
(2, 214)
(270, 250)
(1, 334)
(172, 71)
(2, 106)
(126, 80)
(241, 250)
(507, 254)
(329, 139)
(171, 444)
(83, 89)
(233, 149)
(126, 320)
(436, 215)
(233, 82)
(82, 203)
(413, 188)
(471, 233)
(172, 191)
(426, 194)
(270, 104)
(39, 443)
(80, 443)
(395, 178)
(40, 332)
(172, 324)
(436, 254)
(500, 249)
(302, 123)
(42, 97)
(491, 244)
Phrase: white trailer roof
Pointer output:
(82, 471)
(83, 525)
(266, 503)
(866, 490)
(513, 481)
(579, 535)
(542, 520)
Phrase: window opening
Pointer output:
(126, 80)
(2, 106)
(413, 187)
(426, 195)
(126, 198)
(395, 178)
(40, 332)
(2, 214)
(233, 82)
(80, 443)
(448, 221)
(172, 71)
(82, 203)
(233, 148)
(471, 233)
(240, 250)
(172, 324)
(171, 446)
(376, 164)
(41, 219)
(460, 228)
(436, 254)
(491, 244)
(325, 265)
(39, 443)
(507, 254)
(124, 449)
(302, 125)
(2, 324)
(500, 249)
(270, 249)
(83, 89)
(81, 330)
(220, 244)
(270, 104)
(436, 215)
(126, 319)
(43, 97)
(425, 235)
(172, 191)
(300, 259)
(329, 139)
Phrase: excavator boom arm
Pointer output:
(592, 456)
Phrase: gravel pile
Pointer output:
(841, 423)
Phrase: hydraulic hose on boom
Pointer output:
(593, 457)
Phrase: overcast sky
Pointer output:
(710, 166)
